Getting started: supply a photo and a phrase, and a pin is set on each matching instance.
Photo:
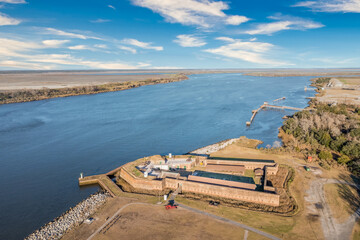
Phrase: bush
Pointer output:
(343, 159)
(324, 138)
(325, 155)
(355, 133)
(338, 143)
(352, 149)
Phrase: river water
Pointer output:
(44, 145)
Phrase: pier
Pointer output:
(267, 105)
(279, 99)
(104, 181)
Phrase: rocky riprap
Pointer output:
(72, 218)
(214, 147)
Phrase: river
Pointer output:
(44, 145)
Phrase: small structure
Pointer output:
(259, 172)
(272, 170)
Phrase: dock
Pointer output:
(104, 181)
(267, 105)
(279, 99)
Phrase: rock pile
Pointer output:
(73, 217)
(214, 147)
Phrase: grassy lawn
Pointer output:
(273, 224)
(342, 199)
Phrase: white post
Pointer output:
(81, 175)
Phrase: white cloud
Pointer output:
(54, 43)
(22, 54)
(285, 23)
(100, 20)
(203, 13)
(13, 1)
(58, 32)
(236, 20)
(225, 39)
(80, 47)
(129, 49)
(186, 40)
(103, 46)
(137, 43)
(112, 7)
(24, 65)
(165, 67)
(6, 20)
(345, 6)
(252, 51)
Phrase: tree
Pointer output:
(325, 155)
(323, 137)
(352, 149)
(338, 143)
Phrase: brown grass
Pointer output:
(341, 207)
(350, 80)
(154, 222)
(356, 231)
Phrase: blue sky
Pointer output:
(163, 34)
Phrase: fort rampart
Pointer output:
(201, 188)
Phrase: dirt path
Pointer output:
(318, 205)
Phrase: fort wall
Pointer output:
(201, 188)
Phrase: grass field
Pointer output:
(342, 199)
(350, 80)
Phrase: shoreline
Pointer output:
(29, 95)
(26, 87)
(71, 218)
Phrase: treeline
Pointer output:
(319, 82)
(328, 133)
(27, 95)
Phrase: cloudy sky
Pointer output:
(162, 34)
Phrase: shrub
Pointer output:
(338, 143)
(325, 155)
(352, 149)
(343, 159)
(323, 137)
(355, 132)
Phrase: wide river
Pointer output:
(44, 145)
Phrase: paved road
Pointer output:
(230, 221)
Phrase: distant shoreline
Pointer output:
(28, 95)
(26, 86)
